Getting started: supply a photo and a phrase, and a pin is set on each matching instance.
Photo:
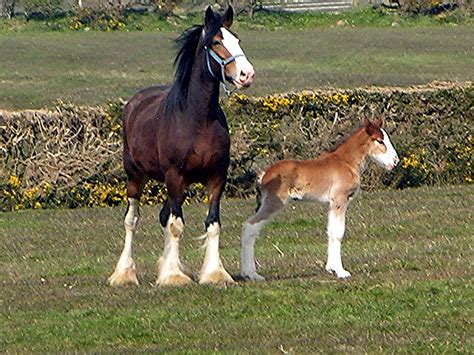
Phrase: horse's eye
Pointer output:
(216, 43)
(380, 142)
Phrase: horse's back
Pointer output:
(140, 126)
(144, 103)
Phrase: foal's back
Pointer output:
(306, 179)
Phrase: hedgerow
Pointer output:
(71, 156)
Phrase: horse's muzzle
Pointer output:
(245, 79)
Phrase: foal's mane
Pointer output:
(187, 44)
(344, 138)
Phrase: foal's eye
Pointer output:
(380, 142)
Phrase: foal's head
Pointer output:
(380, 148)
(226, 60)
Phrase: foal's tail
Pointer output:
(259, 191)
(259, 198)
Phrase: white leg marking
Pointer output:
(250, 232)
(336, 226)
(125, 270)
(171, 272)
(212, 270)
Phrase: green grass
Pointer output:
(410, 253)
(92, 67)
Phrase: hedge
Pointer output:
(71, 155)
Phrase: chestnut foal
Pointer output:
(334, 178)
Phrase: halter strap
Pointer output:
(222, 63)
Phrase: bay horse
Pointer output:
(179, 135)
(333, 178)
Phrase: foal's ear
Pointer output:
(228, 17)
(380, 121)
(370, 127)
(208, 17)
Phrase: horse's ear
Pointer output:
(208, 17)
(228, 17)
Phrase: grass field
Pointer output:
(90, 68)
(410, 253)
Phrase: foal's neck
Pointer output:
(354, 151)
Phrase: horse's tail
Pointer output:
(259, 191)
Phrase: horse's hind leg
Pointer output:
(171, 272)
(212, 270)
(271, 204)
(125, 270)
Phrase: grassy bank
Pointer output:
(409, 252)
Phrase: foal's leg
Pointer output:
(212, 270)
(171, 272)
(336, 227)
(271, 204)
(125, 270)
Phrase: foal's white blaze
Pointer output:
(244, 70)
(388, 159)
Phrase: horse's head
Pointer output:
(381, 149)
(225, 58)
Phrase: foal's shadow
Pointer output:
(313, 275)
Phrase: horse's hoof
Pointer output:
(218, 277)
(180, 279)
(253, 277)
(124, 277)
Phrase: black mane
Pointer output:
(187, 44)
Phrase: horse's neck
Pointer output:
(203, 92)
(354, 151)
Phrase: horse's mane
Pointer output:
(187, 44)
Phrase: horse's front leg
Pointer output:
(336, 228)
(171, 271)
(212, 271)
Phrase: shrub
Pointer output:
(44, 9)
(71, 156)
(103, 19)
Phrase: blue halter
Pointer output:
(222, 63)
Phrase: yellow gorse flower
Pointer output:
(410, 161)
(14, 181)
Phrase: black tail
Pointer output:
(259, 197)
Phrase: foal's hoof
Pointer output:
(252, 277)
(124, 277)
(218, 277)
(341, 274)
(180, 279)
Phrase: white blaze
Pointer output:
(231, 43)
(389, 159)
